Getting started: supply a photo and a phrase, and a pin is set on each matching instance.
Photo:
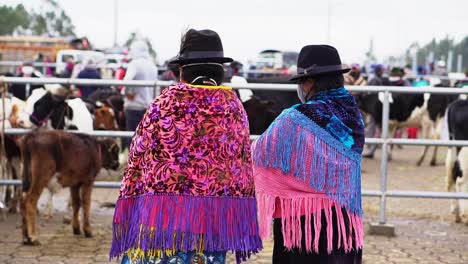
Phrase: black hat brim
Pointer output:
(340, 69)
(181, 61)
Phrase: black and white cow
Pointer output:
(45, 108)
(406, 110)
(431, 122)
(456, 163)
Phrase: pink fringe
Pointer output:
(310, 206)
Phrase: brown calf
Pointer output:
(75, 159)
(104, 118)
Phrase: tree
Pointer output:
(13, 18)
(440, 50)
(54, 22)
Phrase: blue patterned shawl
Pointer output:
(308, 163)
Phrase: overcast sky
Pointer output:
(248, 26)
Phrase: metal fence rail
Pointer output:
(44, 65)
(383, 193)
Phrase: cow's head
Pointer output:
(104, 118)
(261, 114)
(109, 153)
(53, 107)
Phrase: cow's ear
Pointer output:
(69, 112)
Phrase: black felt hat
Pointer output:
(200, 46)
(318, 60)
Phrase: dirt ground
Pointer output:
(425, 231)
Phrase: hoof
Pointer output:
(29, 242)
(76, 231)
(66, 220)
(457, 219)
(433, 164)
(88, 234)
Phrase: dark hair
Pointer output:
(327, 82)
(210, 71)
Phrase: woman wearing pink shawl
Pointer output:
(188, 193)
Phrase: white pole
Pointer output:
(414, 66)
(329, 21)
(430, 61)
(449, 61)
(115, 22)
(459, 63)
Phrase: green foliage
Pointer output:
(12, 18)
(53, 22)
(440, 50)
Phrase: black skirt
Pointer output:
(298, 256)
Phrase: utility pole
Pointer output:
(116, 13)
(449, 61)
(329, 11)
(459, 63)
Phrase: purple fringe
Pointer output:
(150, 221)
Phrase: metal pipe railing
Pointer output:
(367, 193)
(262, 72)
(252, 86)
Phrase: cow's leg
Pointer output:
(66, 218)
(49, 206)
(421, 157)
(16, 167)
(392, 129)
(425, 131)
(449, 180)
(42, 169)
(54, 187)
(434, 157)
(461, 185)
(76, 203)
(86, 199)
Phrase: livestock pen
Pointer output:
(382, 193)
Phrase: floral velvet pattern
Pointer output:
(193, 141)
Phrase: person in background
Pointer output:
(68, 71)
(463, 82)
(354, 76)
(89, 71)
(188, 192)
(371, 128)
(171, 74)
(21, 91)
(397, 77)
(119, 73)
(49, 69)
(307, 168)
(137, 99)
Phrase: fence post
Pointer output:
(384, 158)
(382, 228)
(157, 90)
(28, 90)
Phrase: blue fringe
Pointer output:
(320, 161)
